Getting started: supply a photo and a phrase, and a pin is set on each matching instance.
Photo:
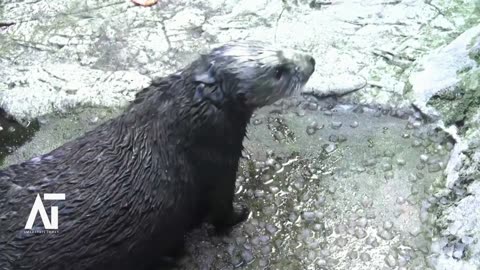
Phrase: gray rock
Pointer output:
(50, 88)
(438, 71)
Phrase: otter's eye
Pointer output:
(280, 71)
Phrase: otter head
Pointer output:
(251, 74)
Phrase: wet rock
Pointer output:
(438, 70)
(336, 124)
(336, 85)
(54, 84)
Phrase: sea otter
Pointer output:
(136, 184)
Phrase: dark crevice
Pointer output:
(4, 25)
(13, 134)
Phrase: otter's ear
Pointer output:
(206, 76)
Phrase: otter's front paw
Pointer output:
(239, 213)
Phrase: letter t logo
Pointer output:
(39, 208)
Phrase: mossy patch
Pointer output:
(475, 54)
(468, 10)
(459, 106)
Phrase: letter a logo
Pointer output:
(39, 208)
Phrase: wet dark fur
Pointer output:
(134, 185)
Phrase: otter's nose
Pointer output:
(305, 65)
(310, 66)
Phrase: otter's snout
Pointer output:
(304, 63)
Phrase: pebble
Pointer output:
(416, 124)
(317, 227)
(341, 241)
(366, 202)
(352, 254)
(385, 235)
(336, 124)
(263, 263)
(390, 260)
(412, 178)
(272, 229)
(402, 261)
(361, 169)
(372, 241)
(365, 257)
(416, 143)
(312, 106)
(247, 256)
(274, 189)
(259, 193)
(320, 201)
(329, 148)
(240, 240)
(269, 210)
(311, 130)
(388, 153)
(369, 162)
(401, 162)
(94, 120)
(342, 138)
(360, 233)
(270, 162)
(266, 250)
(458, 251)
(321, 262)
(387, 167)
(467, 240)
(371, 215)
(300, 113)
(279, 136)
(333, 138)
(308, 216)
(354, 124)
(432, 168)
(362, 222)
(387, 225)
(340, 229)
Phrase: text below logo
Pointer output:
(49, 224)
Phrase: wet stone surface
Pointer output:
(53, 130)
(349, 195)
(350, 204)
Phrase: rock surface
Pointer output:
(32, 91)
(440, 71)
(356, 180)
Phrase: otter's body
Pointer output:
(137, 183)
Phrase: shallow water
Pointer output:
(329, 186)
(331, 189)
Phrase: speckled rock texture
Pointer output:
(375, 167)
